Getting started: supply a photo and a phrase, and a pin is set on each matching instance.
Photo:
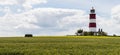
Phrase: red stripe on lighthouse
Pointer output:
(92, 16)
(92, 24)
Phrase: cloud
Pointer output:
(44, 21)
(115, 12)
(26, 4)
(14, 2)
(8, 2)
(110, 25)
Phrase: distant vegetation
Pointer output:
(28, 35)
(81, 32)
(65, 45)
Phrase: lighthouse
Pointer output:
(92, 22)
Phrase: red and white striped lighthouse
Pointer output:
(92, 23)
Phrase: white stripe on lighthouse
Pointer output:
(92, 29)
(92, 20)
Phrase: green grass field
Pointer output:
(65, 45)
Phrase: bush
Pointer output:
(28, 35)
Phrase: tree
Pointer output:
(85, 33)
(114, 35)
(79, 32)
(91, 33)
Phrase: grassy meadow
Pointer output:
(62, 45)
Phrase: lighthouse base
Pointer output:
(92, 29)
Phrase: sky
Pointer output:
(56, 17)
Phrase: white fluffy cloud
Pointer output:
(44, 21)
(27, 4)
(116, 19)
(112, 24)
(8, 2)
(14, 2)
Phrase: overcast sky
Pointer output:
(56, 17)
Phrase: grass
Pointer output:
(60, 45)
